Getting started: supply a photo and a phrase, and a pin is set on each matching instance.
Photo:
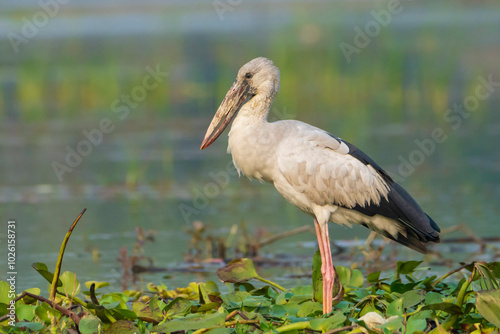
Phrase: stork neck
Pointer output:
(257, 108)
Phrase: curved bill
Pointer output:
(234, 99)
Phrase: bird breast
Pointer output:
(252, 145)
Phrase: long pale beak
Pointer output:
(235, 97)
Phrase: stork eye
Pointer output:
(248, 75)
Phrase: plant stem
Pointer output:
(53, 287)
(277, 286)
(448, 274)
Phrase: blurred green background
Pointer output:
(66, 67)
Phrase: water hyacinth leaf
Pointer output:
(122, 327)
(192, 322)
(433, 298)
(327, 324)
(412, 298)
(144, 312)
(42, 269)
(70, 284)
(211, 287)
(178, 306)
(257, 301)
(310, 307)
(25, 312)
(46, 313)
(357, 278)
(414, 324)
(277, 311)
(407, 267)
(114, 297)
(220, 331)
(208, 307)
(395, 308)
(98, 285)
(156, 305)
(317, 277)
(4, 292)
(393, 324)
(373, 277)
(89, 324)
(236, 297)
(123, 314)
(281, 299)
(446, 307)
(34, 326)
(202, 292)
(488, 305)
(237, 271)
(344, 274)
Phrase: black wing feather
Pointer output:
(400, 207)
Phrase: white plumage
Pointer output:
(320, 174)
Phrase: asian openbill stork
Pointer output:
(321, 174)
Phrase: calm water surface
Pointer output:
(148, 171)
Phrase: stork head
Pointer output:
(257, 79)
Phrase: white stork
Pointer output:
(321, 174)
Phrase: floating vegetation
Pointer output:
(402, 300)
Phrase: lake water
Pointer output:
(398, 98)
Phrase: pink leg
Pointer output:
(327, 269)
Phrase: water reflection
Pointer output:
(395, 91)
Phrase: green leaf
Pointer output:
(309, 308)
(344, 275)
(327, 324)
(395, 308)
(393, 324)
(34, 326)
(433, 298)
(406, 268)
(208, 307)
(235, 298)
(281, 299)
(46, 313)
(488, 305)
(373, 277)
(25, 312)
(192, 322)
(28, 299)
(42, 269)
(220, 331)
(114, 299)
(412, 298)
(122, 327)
(211, 287)
(98, 284)
(70, 284)
(414, 324)
(4, 292)
(89, 324)
(357, 278)
(237, 271)
(446, 307)
(145, 313)
(178, 306)
(202, 292)
(317, 277)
